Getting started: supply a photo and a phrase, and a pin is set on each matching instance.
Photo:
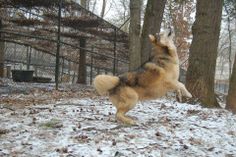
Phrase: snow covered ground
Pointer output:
(76, 127)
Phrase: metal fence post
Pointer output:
(114, 49)
(62, 68)
(8, 71)
(69, 70)
(28, 57)
(58, 44)
(91, 69)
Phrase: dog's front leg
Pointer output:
(180, 88)
(179, 96)
(183, 90)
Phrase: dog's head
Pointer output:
(163, 38)
(163, 42)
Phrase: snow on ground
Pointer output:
(87, 127)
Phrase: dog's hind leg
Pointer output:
(125, 101)
(120, 115)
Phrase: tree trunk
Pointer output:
(203, 51)
(2, 53)
(84, 3)
(82, 74)
(134, 34)
(104, 2)
(230, 41)
(152, 24)
(94, 5)
(231, 98)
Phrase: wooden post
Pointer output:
(82, 75)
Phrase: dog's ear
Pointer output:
(152, 38)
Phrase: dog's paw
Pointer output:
(131, 122)
(125, 119)
(187, 94)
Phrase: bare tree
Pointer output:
(231, 98)
(230, 39)
(230, 8)
(104, 2)
(82, 74)
(152, 24)
(121, 13)
(203, 51)
(134, 34)
(178, 14)
(140, 47)
(2, 53)
(94, 6)
(85, 3)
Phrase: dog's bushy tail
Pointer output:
(103, 83)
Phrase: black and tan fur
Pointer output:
(157, 77)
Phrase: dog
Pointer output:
(156, 78)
